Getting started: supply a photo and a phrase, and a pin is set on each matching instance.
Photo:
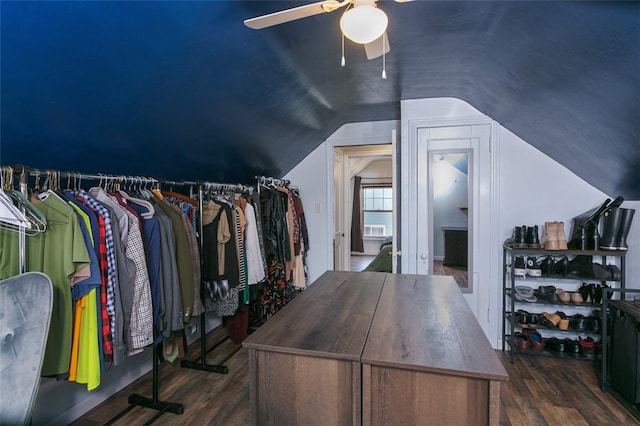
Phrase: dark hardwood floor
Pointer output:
(540, 391)
(459, 273)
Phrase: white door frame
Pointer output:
(338, 213)
(482, 301)
(348, 153)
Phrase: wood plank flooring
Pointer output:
(540, 391)
(459, 273)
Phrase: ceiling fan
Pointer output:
(361, 23)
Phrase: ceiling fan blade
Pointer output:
(289, 15)
(375, 48)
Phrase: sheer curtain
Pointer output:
(357, 242)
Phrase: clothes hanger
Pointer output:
(10, 216)
(25, 215)
(180, 197)
(48, 190)
(144, 203)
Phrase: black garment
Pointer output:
(273, 206)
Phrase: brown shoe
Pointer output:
(549, 239)
(521, 341)
(576, 298)
(536, 341)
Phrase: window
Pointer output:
(378, 211)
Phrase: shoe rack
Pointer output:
(564, 324)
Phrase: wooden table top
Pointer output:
(423, 322)
(417, 322)
(331, 318)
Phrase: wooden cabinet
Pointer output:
(374, 348)
(304, 363)
(426, 360)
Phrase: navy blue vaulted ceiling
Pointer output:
(182, 89)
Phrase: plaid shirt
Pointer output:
(86, 199)
(141, 326)
(101, 245)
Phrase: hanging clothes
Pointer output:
(152, 242)
(255, 262)
(61, 254)
(273, 204)
(116, 270)
(277, 222)
(171, 306)
(221, 273)
(186, 212)
(183, 257)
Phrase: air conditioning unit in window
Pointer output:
(374, 231)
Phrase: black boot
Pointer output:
(584, 229)
(532, 237)
(625, 226)
(578, 232)
(515, 236)
(519, 238)
(592, 235)
(610, 228)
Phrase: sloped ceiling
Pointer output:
(182, 89)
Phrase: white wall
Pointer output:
(378, 171)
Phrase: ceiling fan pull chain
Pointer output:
(384, 60)
(342, 61)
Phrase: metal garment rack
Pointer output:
(53, 178)
(201, 362)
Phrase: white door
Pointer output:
(474, 140)
(338, 236)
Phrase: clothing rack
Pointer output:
(53, 179)
(201, 362)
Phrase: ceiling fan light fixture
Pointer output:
(364, 22)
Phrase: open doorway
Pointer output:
(365, 214)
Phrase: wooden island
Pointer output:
(374, 348)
